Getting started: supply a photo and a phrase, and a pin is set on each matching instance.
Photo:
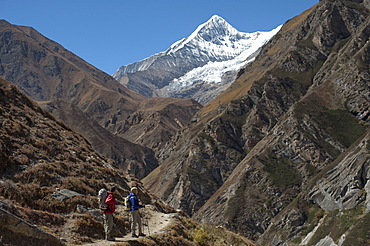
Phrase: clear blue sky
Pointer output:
(112, 33)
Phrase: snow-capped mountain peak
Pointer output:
(212, 72)
(216, 32)
(195, 66)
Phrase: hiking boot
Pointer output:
(142, 235)
(134, 235)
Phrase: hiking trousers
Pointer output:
(136, 220)
(108, 225)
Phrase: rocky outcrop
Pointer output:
(16, 231)
(345, 185)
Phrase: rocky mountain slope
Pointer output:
(46, 170)
(157, 120)
(45, 70)
(200, 66)
(282, 156)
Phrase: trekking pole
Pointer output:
(129, 220)
(116, 228)
(147, 220)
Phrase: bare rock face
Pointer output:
(287, 140)
(344, 185)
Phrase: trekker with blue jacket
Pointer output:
(136, 219)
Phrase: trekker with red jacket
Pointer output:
(108, 214)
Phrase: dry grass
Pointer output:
(297, 20)
(42, 217)
(86, 225)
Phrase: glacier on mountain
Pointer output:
(212, 72)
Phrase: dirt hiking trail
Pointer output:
(157, 222)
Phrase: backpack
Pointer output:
(128, 202)
(102, 195)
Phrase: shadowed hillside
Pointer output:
(46, 169)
